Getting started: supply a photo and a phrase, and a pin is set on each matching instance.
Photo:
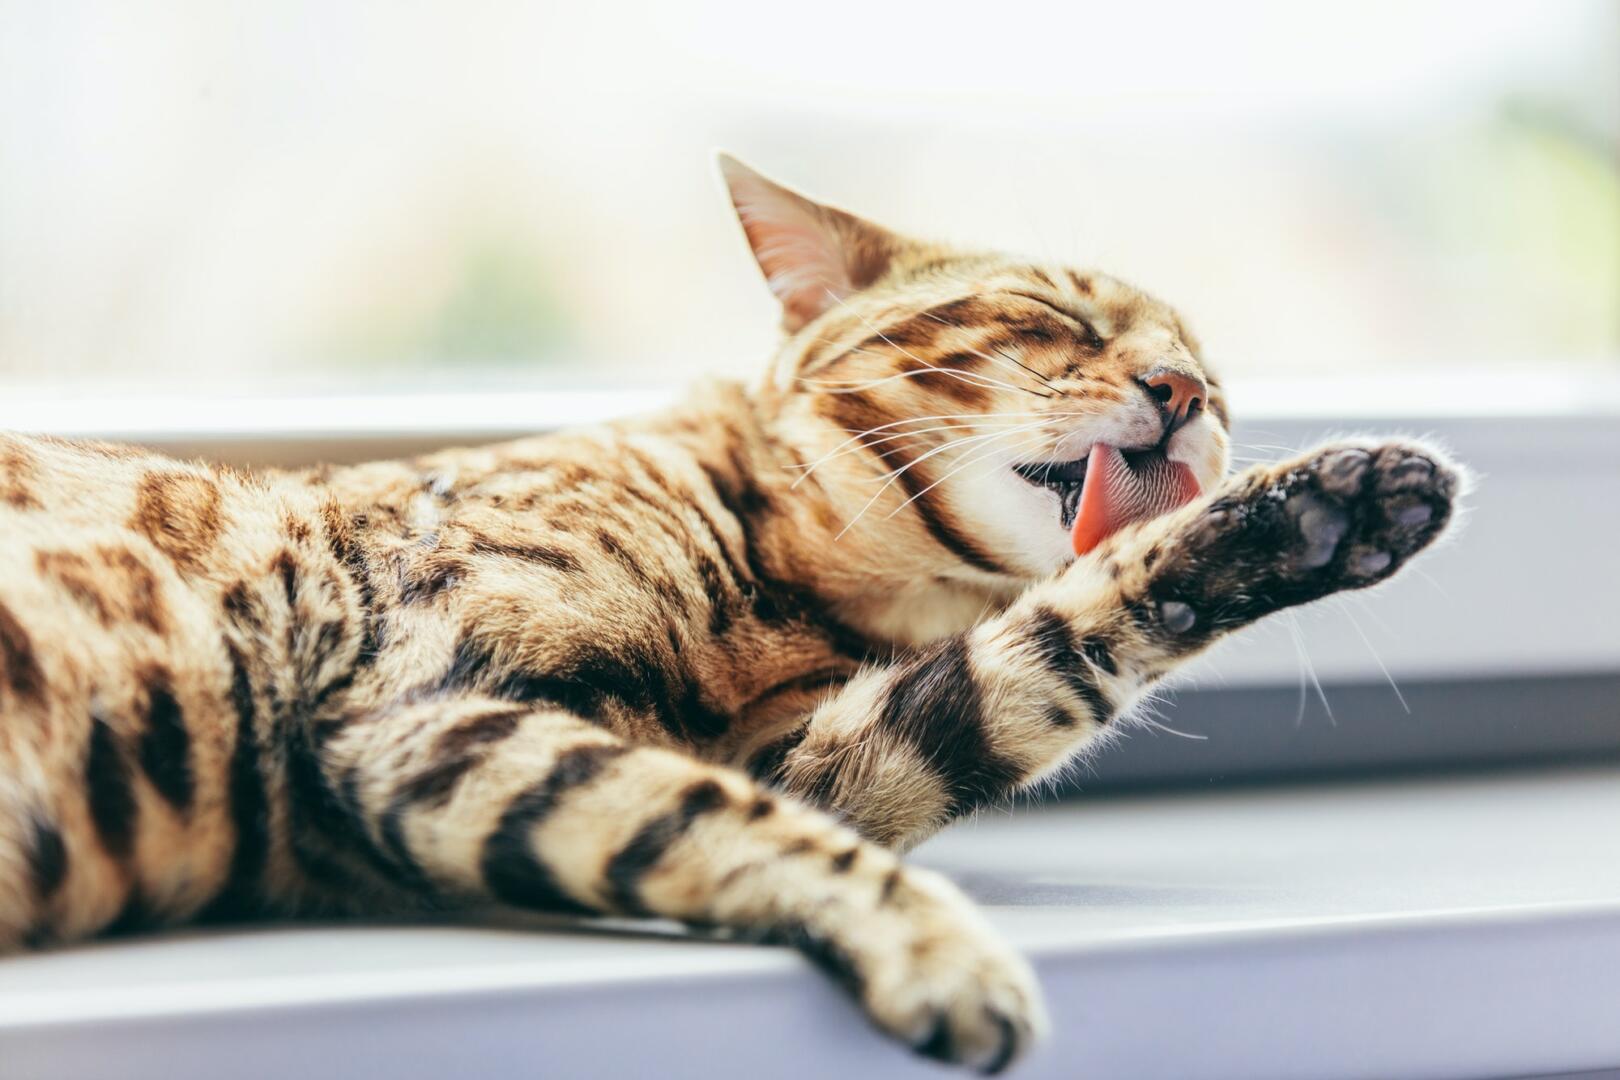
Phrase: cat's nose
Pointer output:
(1180, 395)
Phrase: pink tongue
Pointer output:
(1117, 493)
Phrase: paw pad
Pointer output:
(1369, 563)
(1177, 617)
(1415, 469)
(1342, 470)
(1416, 514)
(1322, 527)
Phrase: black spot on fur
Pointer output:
(136, 915)
(165, 746)
(773, 599)
(586, 682)
(533, 553)
(286, 568)
(241, 608)
(934, 704)
(433, 785)
(250, 808)
(480, 731)
(107, 783)
(422, 583)
(1054, 642)
(632, 862)
(832, 960)
(18, 665)
(511, 867)
(326, 817)
(767, 763)
(345, 547)
(47, 858)
(941, 523)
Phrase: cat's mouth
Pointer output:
(1067, 478)
(1110, 488)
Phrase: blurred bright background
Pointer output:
(309, 196)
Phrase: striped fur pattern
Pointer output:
(717, 665)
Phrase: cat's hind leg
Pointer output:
(478, 798)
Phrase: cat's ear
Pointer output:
(812, 255)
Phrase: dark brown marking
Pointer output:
(180, 514)
(285, 567)
(1064, 655)
(123, 590)
(479, 731)
(436, 574)
(165, 745)
(109, 791)
(830, 959)
(47, 858)
(842, 861)
(17, 478)
(141, 594)
(891, 884)
(532, 553)
(765, 765)
(934, 704)
(626, 869)
(343, 540)
(940, 522)
(72, 571)
(250, 807)
(19, 667)
(512, 868)
(136, 915)
(433, 785)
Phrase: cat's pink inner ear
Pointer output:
(799, 244)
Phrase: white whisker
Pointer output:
(893, 477)
(859, 435)
(969, 461)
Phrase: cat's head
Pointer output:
(962, 393)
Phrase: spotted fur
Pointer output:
(716, 665)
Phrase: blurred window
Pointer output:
(306, 195)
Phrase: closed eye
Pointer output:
(1093, 339)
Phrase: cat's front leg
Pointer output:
(903, 749)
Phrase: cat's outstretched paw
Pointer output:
(1342, 517)
(929, 971)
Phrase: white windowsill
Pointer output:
(1435, 928)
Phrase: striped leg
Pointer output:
(902, 750)
(476, 797)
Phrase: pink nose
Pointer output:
(1179, 395)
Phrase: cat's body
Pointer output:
(545, 671)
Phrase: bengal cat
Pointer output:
(719, 665)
